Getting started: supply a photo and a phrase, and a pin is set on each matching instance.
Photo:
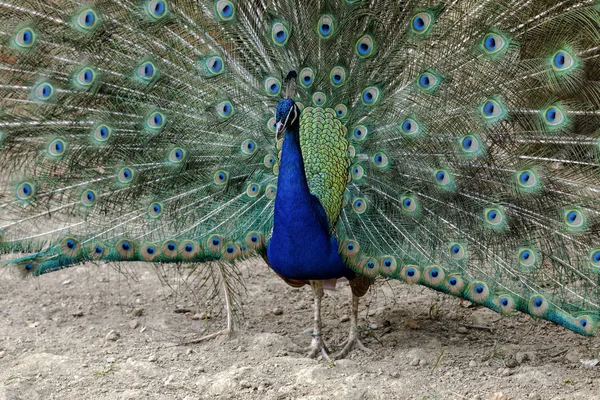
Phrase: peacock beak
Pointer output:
(280, 128)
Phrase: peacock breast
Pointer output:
(325, 155)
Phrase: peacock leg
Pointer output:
(317, 345)
(353, 341)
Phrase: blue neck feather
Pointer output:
(301, 246)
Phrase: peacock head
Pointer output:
(288, 113)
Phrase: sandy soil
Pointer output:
(91, 333)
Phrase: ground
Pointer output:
(91, 333)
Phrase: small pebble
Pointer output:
(113, 336)
(373, 326)
(415, 362)
(77, 314)
(472, 363)
(134, 324)
(462, 329)
(152, 358)
(111, 360)
(138, 312)
(245, 384)
(522, 357)
(507, 372)
(511, 363)
(278, 311)
(67, 282)
(422, 363)
(344, 318)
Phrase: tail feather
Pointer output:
(144, 131)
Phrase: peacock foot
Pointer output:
(353, 342)
(318, 347)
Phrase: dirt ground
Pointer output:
(91, 333)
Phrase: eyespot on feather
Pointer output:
(307, 77)
(149, 252)
(349, 248)
(254, 240)
(365, 46)
(126, 249)
(280, 33)
(225, 10)
(70, 247)
(410, 274)
(455, 284)
(478, 292)
(215, 243)
(433, 275)
(188, 249)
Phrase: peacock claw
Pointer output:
(317, 347)
(353, 342)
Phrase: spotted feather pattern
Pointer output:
(145, 130)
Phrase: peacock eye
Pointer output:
(177, 155)
(125, 175)
(147, 71)
(87, 19)
(554, 116)
(341, 111)
(442, 177)
(225, 110)
(271, 192)
(85, 77)
(357, 172)
(156, 121)
(326, 26)
(221, 177)
(526, 179)
(307, 77)
(280, 34)
(319, 99)
(365, 46)
(370, 95)
(272, 86)
(494, 43)
(410, 127)
(215, 65)
(491, 110)
(102, 133)
(527, 257)
(25, 191)
(563, 61)
(469, 144)
(225, 10)
(157, 9)
(359, 205)
(380, 160)
(428, 82)
(494, 216)
(421, 23)
(57, 148)
(25, 38)
(574, 218)
(457, 251)
(360, 132)
(409, 204)
(44, 91)
(337, 76)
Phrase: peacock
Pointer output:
(453, 144)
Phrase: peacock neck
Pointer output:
(292, 181)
